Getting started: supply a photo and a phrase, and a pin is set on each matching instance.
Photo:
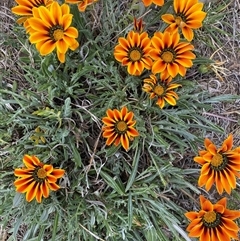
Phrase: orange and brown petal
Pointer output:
(31, 161)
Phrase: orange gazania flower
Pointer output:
(82, 4)
(171, 56)
(188, 15)
(36, 178)
(162, 89)
(24, 9)
(133, 52)
(220, 166)
(214, 222)
(50, 29)
(156, 2)
(119, 127)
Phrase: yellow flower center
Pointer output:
(217, 160)
(167, 56)
(179, 21)
(121, 126)
(158, 90)
(41, 173)
(210, 217)
(58, 34)
(135, 55)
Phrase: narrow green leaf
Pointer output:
(134, 170)
(130, 211)
(112, 183)
(55, 225)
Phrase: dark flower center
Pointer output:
(121, 127)
(135, 54)
(159, 90)
(168, 55)
(39, 174)
(219, 162)
(56, 32)
(211, 219)
(180, 18)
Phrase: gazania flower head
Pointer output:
(170, 55)
(36, 178)
(119, 127)
(133, 52)
(214, 222)
(162, 89)
(188, 15)
(82, 4)
(220, 166)
(156, 2)
(25, 7)
(50, 29)
(138, 25)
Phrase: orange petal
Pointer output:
(124, 44)
(147, 2)
(46, 17)
(47, 47)
(111, 139)
(19, 172)
(58, 173)
(23, 184)
(31, 191)
(61, 57)
(48, 168)
(30, 161)
(56, 12)
(36, 37)
(38, 25)
(158, 66)
(132, 132)
(168, 18)
(227, 144)
(45, 189)
(53, 186)
(187, 33)
(170, 100)
(39, 195)
(196, 231)
(218, 182)
(61, 46)
(66, 22)
(172, 69)
(71, 32)
(125, 141)
(191, 215)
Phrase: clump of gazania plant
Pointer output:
(119, 127)
(219, 165)
(50, 29)
(214, 222)
(187, 15)
(162, 89)
(36, 178)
